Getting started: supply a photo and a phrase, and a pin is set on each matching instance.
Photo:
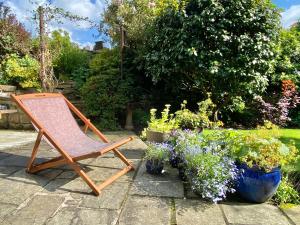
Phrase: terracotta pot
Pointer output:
(158, 137)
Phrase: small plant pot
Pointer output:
(181, 173)
(154, 167)
(158, 137)
(256, 185)
(174, 161)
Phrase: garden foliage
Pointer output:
(14, 39)
(20, 71)
(105, 93)
(223, 47)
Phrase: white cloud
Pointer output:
(84, 8)
(290, 16)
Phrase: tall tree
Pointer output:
(45, 13)
(13, 36)
(225, 47)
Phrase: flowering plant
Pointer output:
(210, 169)
(207, 163)
(157, 152)
(164, 124)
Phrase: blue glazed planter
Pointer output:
(256, 185)
(154, 167)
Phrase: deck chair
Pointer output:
(50, 114)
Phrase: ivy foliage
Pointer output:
(105, 93)
(223, 47)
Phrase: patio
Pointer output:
(58, 196)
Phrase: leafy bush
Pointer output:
(189, 120)
(140, 118)
(21, 71)
(262, 150)
(105, 94)
(286, 193)
(13, 36)
(279, 112)
(205, 46)
(67, 56)
(80, 76)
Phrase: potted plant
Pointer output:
(259, 158)
(209, 168)
(156, 155)
(159, 128)
(187, 119)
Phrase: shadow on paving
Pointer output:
(13, 162)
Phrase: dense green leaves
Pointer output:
(105, 94)
(20, 71)
(222, 47)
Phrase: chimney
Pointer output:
(98, 45)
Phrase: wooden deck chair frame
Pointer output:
(65, 158)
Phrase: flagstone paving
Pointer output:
(59, 197)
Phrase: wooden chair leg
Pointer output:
(48, 164)
(85, 177)
(115, 177)
(123, 158)
(34, 150)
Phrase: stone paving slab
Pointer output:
(145, 210)
(258, 214)
(101, 174)
(12, 138)
(136, 198)
(113, 162)
(166, 185)
(77, 187)
(169, 189)
(82, 216)
(169, 174)
(6, 209)
(111, 197)
(19, 186)
(7, 170)
(191, 212)
(293, 213)
(38, 210)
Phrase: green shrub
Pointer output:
(140, 118)
(105, 94)
(21, 71)
(286, 193)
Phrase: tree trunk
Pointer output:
(42, 48)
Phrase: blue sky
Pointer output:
(84, 36)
